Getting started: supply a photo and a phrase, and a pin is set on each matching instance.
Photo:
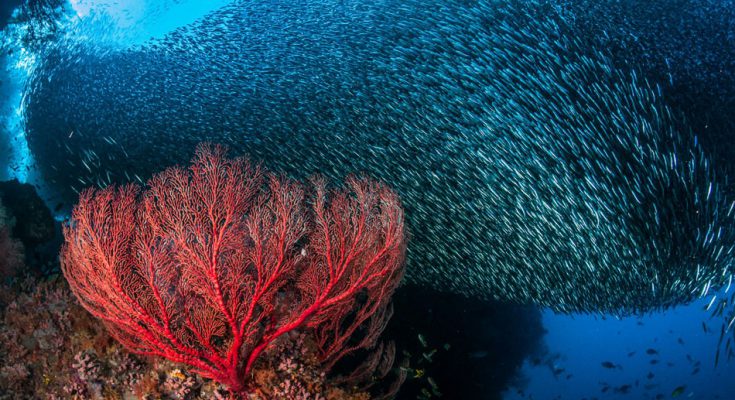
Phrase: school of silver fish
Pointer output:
(534, 168)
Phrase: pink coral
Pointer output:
(86, 366)
(179, 385)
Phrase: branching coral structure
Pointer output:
(208, 266)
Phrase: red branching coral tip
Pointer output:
(208, 266)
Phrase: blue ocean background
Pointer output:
(581, 343)
(567, 363)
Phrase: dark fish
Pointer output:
(651, 352)
(609, 365)
(623, 389)
(678, 391)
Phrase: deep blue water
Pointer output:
(583, 343)
(566, 362)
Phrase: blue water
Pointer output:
(584, 342)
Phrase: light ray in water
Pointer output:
(106, 22)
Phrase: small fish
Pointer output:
(623, 389)
(651, 352)
(429, 356)
(678, 391)
(422, 340)
(434, 387)
(609, 365)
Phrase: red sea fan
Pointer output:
(208, 266)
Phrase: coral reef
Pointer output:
(36, 347)
(60, 352)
